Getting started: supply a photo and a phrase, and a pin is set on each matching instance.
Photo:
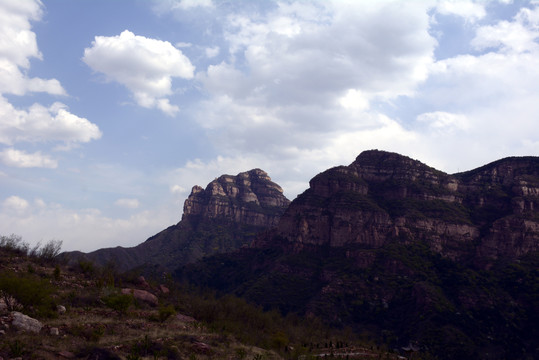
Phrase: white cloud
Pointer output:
(82, 229)
(17, 46)
(469, 10)
(166, 6)
(41, 124)
(212, 52)
(306, 73)
(145, 66)
(17, 158)
(15, 204)
(127, 203)
(292, 162)
(183, 44)
(443, 122)
(519, 35)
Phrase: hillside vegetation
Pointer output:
(85, 315)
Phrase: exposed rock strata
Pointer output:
(383, 197)
(223, 217)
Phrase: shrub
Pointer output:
(87, 268)
(30, 291)
(165, 312)
(49, 251)
(13, 243)
(118, 302)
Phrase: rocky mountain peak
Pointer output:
(384, 197)
(248, 198)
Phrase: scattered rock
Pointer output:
(142, 295)
(185, 318)
(61, 309)
(66, 354)
(201, 348)
(165, 290)
(25, 323)
(2, 332)
(54, 331)
(142, 282)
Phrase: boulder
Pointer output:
(142, 295)
(61, 309)
(25, 323)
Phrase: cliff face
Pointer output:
(393, 248)
(382, 197)
(249, 198)
(223, 217)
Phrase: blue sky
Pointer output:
(110, 111)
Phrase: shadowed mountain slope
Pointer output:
(403, 253)
(223, 217)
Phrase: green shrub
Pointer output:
(56, 272)
(28, 291)
(118, 302)
(87, 268)
(165, 312)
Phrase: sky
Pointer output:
(111, 111)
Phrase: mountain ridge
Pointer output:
(403, 253)
(223, 217)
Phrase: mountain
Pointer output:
(223, 217)
(405, 254)
(487, 213)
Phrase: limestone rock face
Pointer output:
(249, 198)
(383, 197)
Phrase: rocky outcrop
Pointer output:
(25, 322)
(249, 198)
(223, 217)
(142, 295)
(383, 197)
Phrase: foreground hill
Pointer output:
(404, 253)
(52, 311)
(223, 217)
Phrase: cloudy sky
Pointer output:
(110, 111)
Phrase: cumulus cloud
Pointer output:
(15, 204)
(305, 73)
(42, 124)
(18, 46)
(519, 35)
(471, 11)
(38, 123)
(145, 66)
(17, 158)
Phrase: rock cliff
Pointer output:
(223, 217)
(383, 197)
(249, 198)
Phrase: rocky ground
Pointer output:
(95, 315)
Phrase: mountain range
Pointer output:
(409, 256)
